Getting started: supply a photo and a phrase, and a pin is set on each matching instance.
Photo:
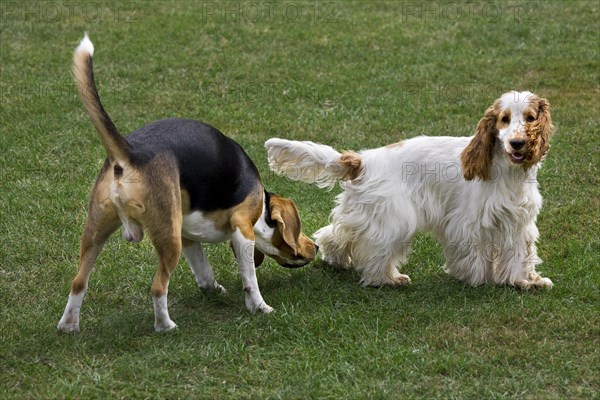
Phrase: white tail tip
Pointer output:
(85, 46)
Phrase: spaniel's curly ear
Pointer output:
(476, 158)
(539, 131)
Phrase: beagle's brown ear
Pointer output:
(476, 158)
(285, 213)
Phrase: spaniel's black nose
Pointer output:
(517, 143)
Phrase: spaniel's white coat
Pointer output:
(477, 195)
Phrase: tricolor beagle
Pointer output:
(182, 182)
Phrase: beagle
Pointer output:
(183, 183)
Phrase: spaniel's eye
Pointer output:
(505, 119)
(530, 118)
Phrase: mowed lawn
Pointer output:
(351, 74)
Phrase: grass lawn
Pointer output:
(348, 73)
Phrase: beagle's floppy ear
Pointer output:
(284, 212)
(476, 158)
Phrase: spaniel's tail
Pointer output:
(312, 162)
(117, 148)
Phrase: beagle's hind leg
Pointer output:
(167, 242)
(200, 267)
(162, 219)
(101, 222)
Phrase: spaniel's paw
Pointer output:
(395, 281)
(536, 283)
(400, 280)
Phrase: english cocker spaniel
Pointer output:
(477, 195)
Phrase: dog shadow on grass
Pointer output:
(313, 288)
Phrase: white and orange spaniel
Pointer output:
(477, 195)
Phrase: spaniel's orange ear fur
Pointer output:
(476, 158)
(539, 132)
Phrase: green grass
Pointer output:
(351, 74)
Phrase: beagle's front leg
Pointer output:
(243, 246)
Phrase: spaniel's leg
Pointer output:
(369, 237)
(518, 265)
(334, 248)
(379, 262)
(469, 262)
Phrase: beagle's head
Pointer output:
(279, 235)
